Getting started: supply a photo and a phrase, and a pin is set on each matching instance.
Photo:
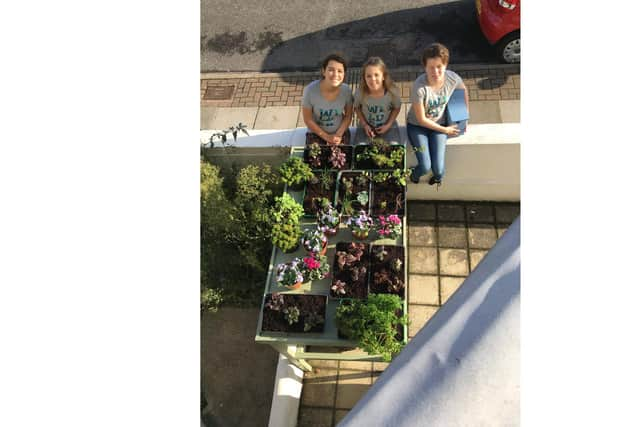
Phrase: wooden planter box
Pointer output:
(275, 321)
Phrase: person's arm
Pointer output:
(346, 120)
(307, 116)
(368, 130)
(418, 108)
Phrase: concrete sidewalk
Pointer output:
(272, 100)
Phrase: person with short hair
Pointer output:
(376, 102)
(327, 104)
(426, 121)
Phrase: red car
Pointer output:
(500, 24)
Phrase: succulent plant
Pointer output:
(292, 314)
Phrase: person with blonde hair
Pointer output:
(427, 128)
(327, 104)
(376, 102)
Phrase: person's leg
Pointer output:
(419, 141)
(437, 148)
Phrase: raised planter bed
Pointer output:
(363, 160)
(316, 188)
(322, 160)
(311, 313)
(350, 185)
(350, 270)
(387, 270)
(388, 197)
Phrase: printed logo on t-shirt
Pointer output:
(327, 116)
(375, 115)
(435, 105)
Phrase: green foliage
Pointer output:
(234, 232)
(312, 320)
(285, 235)
(285, 222)
(373, 323)
(210, 300)
(294, 171)
(400, 176)
(327, 179)
(382, 154)
(380, 177)
(286, 209)
(292, 314)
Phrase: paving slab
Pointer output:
(450, 212)
(340, 414)
(277, 117)
(501, 230)
(448, 285)
(315, 417)
(475, 257)
(482, 236)
(352, 385)
(423, 289)
(421, 234)
(421, 211)
(509, 111)
(453, 262)
(231, 116)
(319, 387)
(484, 112)
(300, 122)
(480, 213)
(418, 316)
(423, 260)
(452, 235)
(207, 117)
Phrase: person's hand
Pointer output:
(335, 139)
(452, 130)
(383, 129)
(327, 137)
(369, 131)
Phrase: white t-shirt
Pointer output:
(434, 102)
(327, 114)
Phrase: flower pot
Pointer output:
(360, 235)
(331, 232)
(294, 286)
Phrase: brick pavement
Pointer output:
(485, 83)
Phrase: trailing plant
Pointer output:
(315, 268)
(337, 157)
(312, 320)
(373, 323)
(294, 171)
(292, 314)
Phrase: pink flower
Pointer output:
(311, 263)
(393, 219)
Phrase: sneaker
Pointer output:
(414, 180)
(433, 180)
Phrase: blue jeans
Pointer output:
(429, 146)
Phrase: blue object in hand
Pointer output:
(457, 113)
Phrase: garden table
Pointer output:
(293, 345)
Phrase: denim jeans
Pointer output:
(429, 146)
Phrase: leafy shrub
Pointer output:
(294, 171)
(373, 322)
(234, 232)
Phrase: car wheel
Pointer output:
(509, 48)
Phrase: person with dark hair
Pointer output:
(426, 122)
(376, 102)
(327, 104)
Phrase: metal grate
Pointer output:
(219, 93)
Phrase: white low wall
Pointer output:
(483, 164)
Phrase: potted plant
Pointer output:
(388, 192)
(375, 323)
(321, 185)
(328, 218)
(298, 313)
(337, 158)
(313, 155)
(295, 173)
(285, 225)
(349, 279)
(379, 154)
(387, 270)
(315, 267)
(388, 226)
(290, 274)
(314, 241)
(360, 225)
